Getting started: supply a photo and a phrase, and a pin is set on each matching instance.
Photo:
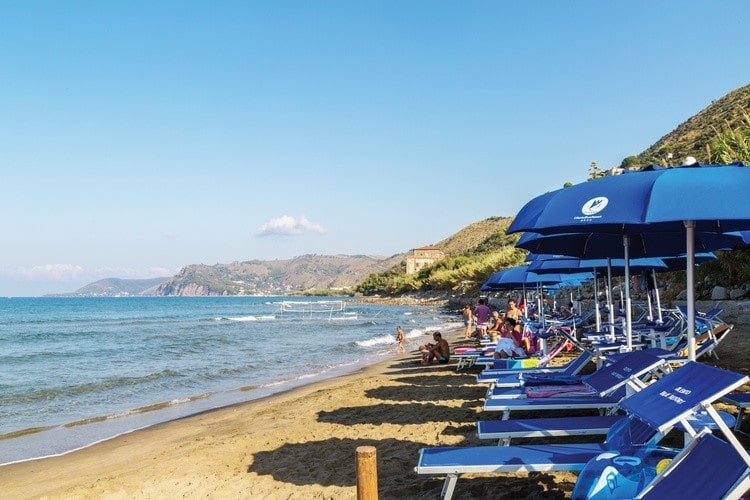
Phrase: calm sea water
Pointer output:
(74, 371)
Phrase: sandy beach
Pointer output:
(301, 444)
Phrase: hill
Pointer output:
(323, 273)
(470, 237)
(309, 272)
(116, 287)
(274, 277)
(694, 136)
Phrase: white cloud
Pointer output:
(288, 225)
(134, 273)
(56, 272)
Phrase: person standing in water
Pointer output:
(400, 337)
(468, 321)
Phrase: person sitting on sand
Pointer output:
(440, 351)
(496, 325)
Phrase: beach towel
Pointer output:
(546, 391)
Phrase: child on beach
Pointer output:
(400, 337)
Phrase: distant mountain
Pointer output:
(257, 277)
(299, 274)
(116, 287)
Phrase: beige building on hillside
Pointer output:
(422, 256)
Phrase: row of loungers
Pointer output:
(640, 399)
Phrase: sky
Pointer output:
(138, 137)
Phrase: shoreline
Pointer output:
(171, 371)
(62, 439)
(31, 478)
(301, 443)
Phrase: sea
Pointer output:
(77, 371)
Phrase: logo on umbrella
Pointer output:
(594, 205)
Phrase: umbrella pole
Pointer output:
(690, 244)
(597, 314)
(628, 316)
(648, 302)
(610, 300)
(656, 294)
(540, 313)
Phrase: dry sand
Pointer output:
(301, 444)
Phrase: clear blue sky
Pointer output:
(137, 137)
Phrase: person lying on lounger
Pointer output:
(440, 351)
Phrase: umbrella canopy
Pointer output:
(573, 265)
(714, 196)
(598, 245)
(709, 198)
(520, 276)
(680, 261)
(613, 267)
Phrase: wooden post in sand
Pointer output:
(367, 473)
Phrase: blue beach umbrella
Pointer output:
(602, 245)
(710, 198)
(573, 265)
(678, 262)
(520, 276)
(559, 264)
(713, 196)
(599, 245)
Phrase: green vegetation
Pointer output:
(732, 143)
(695, 137)
(595, 171)
(464, 270)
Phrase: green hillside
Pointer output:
(720, 133)
(697, 136)
(473, 254)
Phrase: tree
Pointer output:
(594, 171)
(731, 144)
(629, 161)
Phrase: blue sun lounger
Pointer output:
(589, 425)
(659, 406)
(742, 401)
(608, 383)
(711, 468)
(573, 366)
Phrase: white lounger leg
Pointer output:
(448, 486)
